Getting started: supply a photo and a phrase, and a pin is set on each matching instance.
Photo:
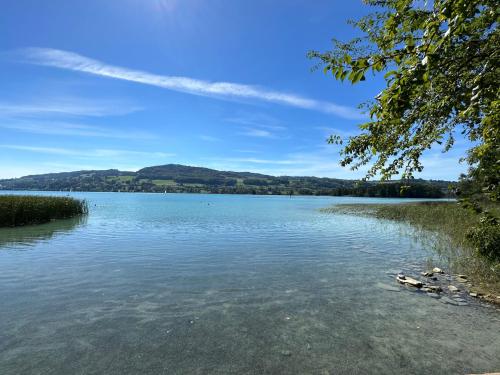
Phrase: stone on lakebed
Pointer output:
(409, 281)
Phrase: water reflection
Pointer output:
(31, 234)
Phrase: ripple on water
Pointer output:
(169, 284)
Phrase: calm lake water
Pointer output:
(216, 284)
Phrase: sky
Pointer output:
(223, 84)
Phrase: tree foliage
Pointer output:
(440, 61)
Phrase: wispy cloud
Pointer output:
(254, 132)
(209, 138)
(71, 129)
(259, 125)
(66, 107)
(246, 151)
(88, 153)
(224, 90)
(258, 161)
(257, 120)
(323, 161)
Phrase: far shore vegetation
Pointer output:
(18, 210)
(174, 178)
(451, 231)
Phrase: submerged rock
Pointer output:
(434, 288)
(427, 274)
(286, 353)
(409, 281)
(452, 288)
(461, 278)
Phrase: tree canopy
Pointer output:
(440, 61)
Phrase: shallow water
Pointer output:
(197, 284)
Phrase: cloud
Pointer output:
(91, 153)
(324, 162)
(257, 120)
(224, 90)
(71, 129)
(209, 138)
(258, 125)
(67, 107)
(257, 161)
(246, 151)
(261, 133)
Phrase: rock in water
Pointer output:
(452, 288)
(437, 270)
(409, 281)
(434, 288)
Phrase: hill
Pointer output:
(174, 178)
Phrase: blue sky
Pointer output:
(223, 84)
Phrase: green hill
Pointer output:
(174, 178)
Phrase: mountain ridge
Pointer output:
(177, 178)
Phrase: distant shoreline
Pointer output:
(174, 178)
(7, 191)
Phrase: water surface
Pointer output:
(197, 284)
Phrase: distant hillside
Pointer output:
(173, 178)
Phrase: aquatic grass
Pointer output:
(17, 210)
(444, 227)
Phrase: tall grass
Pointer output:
(444, 226)
(16, 210)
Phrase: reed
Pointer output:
(17, 210)
(450, 225)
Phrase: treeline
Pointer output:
(184, 179)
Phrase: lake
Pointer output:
(216, 284)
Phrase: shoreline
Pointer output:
(442, 226)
